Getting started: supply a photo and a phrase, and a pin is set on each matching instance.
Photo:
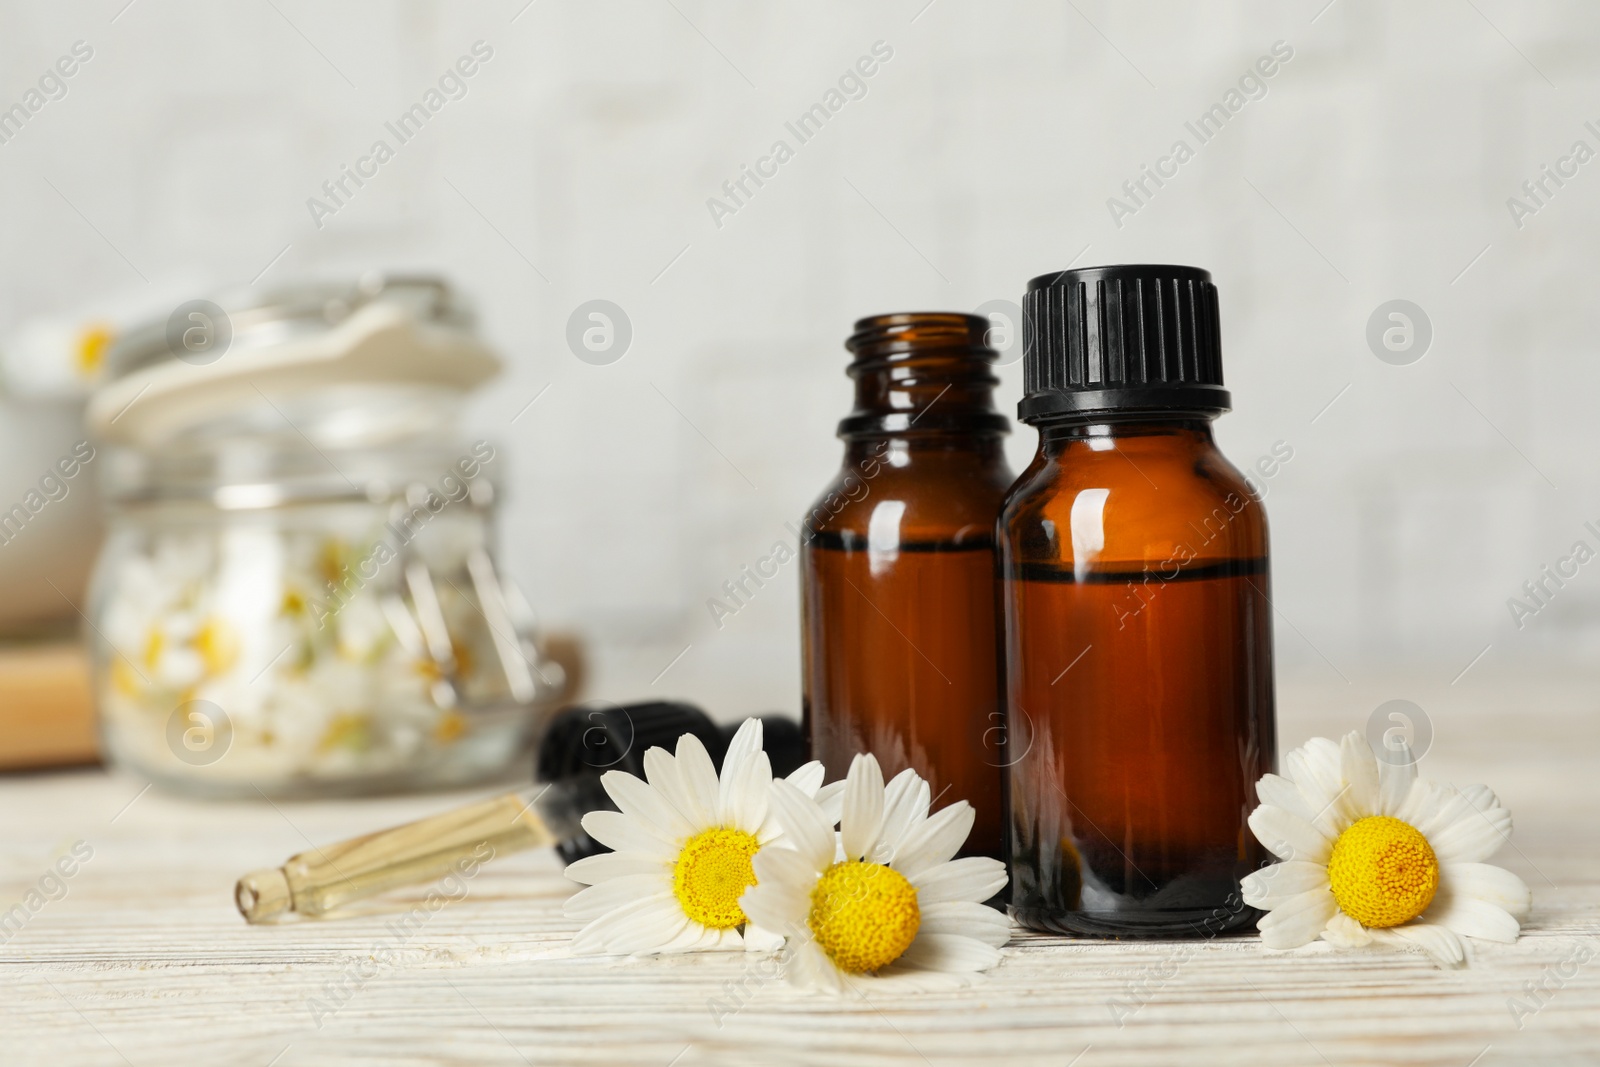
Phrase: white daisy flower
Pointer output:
(683, 842)
(883, 902)
(1371, 855)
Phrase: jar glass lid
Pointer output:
(213, 370)
(268, 319)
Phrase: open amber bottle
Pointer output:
(899, 633)
(1137, 617)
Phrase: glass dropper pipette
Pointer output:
(581, 745)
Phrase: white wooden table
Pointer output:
(145, 961)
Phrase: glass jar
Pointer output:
(297, 595)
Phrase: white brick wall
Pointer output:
(982, 154)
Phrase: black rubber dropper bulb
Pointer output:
(585, 742)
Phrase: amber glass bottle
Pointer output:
(899, 633)
(1138, 627)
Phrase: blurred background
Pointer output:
(1339, 157)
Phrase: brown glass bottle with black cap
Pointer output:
(1137, 618)
(899, 633)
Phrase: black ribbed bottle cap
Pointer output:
(1127, 338)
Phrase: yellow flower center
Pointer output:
(712, 873)
(1383, 871)
(864, 915)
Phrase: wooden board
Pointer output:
(144, 961)
(46, 707)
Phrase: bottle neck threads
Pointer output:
(922, 373)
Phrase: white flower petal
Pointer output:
(760, 939)
(949, 952)
(715, 940)
(693, 938)
(1473, 836)
(1487, 882)
(746, 742)
(934, 841)
(810, 968)
(1467, 825)
(663, 771)
(1288, 836)
(1423, 802)
(608, 896)
(787, 879)
(1472, 916)
(1437, 807)
(805, 828)
(698, 776)
(616, 831)
(783, 864)
(1358, 768)
(863, 807)
(639, 800)
(772, 907)
(642, 926)
(977, 921)
(1272, 886)
(1484, 799)
(1282, 793)
(830, 798)
(1481, 797)
(710, 940)
(1445, 805)
(807, 778)
(1395, 780)
(974, 878)
(1441, 945)
(1314, 767)
(592, 870)
(750, 796)
(1344, 932)
(1299, 920)
(905, 806)
(746, 780)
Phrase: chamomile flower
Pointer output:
(883, 901)
(683, 843)
(1372, 856)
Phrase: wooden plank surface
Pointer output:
(142, 959)
(46, 707)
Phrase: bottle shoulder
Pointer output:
(1131, 507)
(926, 500)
